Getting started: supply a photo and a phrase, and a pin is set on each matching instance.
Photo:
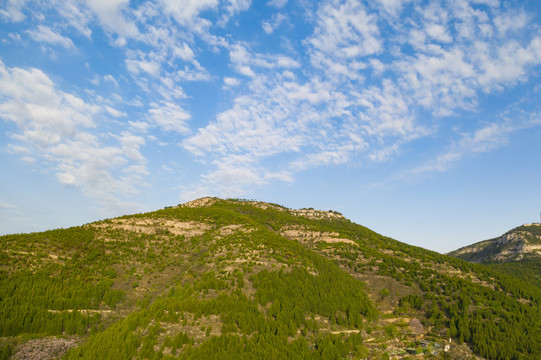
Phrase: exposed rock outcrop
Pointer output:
(517, 244)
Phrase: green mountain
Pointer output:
(237, 279)
(517, 252)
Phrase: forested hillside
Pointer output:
(234, 279)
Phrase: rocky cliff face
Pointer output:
(523, 242)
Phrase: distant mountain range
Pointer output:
(521, 243)
(239, 279)
(517, 252)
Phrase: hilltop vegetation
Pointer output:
(234, 279)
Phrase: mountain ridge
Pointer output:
(517, 252)
(234, 278)
(521, 242)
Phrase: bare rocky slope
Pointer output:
(521, 243)
(239, 279)
(517, 253)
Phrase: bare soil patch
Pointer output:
(44, 349)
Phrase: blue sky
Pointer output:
(418, 119)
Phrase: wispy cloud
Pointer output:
(277, 3)
(7, 206)
(487, 138)
(13, 10)
(274, 23)
(44, 34)
(169, 117)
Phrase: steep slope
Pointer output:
(234, 279)
(517, 252)
(521, 243)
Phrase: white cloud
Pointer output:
(233, 7)
(139, 126)
(440, 164)
(110, 14)
(513, 21)
(377, 65)
(267, 27)
(231, 82)
(196, 74)
(274, 23)
(235, 175)
(110, 78)
(186, 12)
(344, 35)
(56, 127)
(17, 149)
(280, 116)
(257, 125)
(245, 70)
(14, 36)
(386, 112)
(131, 145)
(393, 7)
(446, 74)
(485, 139)
(385, 154)
(277, 3)
(314, 92)
(13, 10)
(245, 61)
(169, 117)
(510, 65)
(76, 16)
(28, 159)
(441, 82)
(44, 114)
(169, 89)
(183, 51)
(151, 67)
(346, 30)
(44, 34)
(338, 117)
(114, 112)
(6, 205)
(233, 178)
(358, 89)
(188, 193)
(329, 155)
(438, 32)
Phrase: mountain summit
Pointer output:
(240, 279)
(517, 252)
(521, 243)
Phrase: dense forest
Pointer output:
(237, 279)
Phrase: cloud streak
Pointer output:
(44, 34)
